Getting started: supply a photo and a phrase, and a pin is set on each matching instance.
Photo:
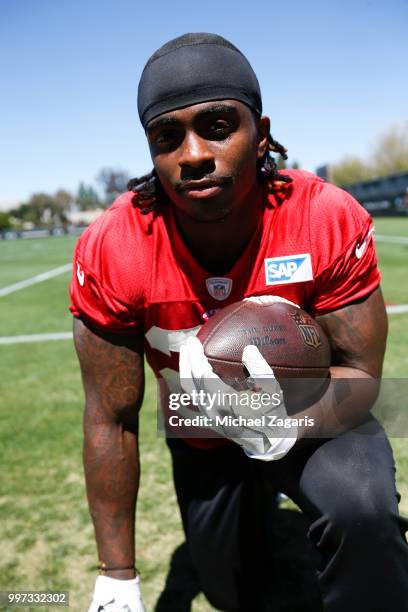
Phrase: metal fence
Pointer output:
(41, 232)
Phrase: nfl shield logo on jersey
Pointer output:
(219, 287)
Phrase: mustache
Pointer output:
(207, 180)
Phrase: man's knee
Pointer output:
(361, 514)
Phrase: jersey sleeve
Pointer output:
(100, 291)
(346, 265)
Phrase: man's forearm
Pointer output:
(111, 462)
(346, 403)
(357, 334)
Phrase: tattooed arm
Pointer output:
(357, 335)
(113, 379)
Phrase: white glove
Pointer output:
(269, 440)
(112, 595)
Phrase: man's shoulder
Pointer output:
(122, 218)
(118, 246)
(325, 216)
(299, 192)
(329, 203)
(111, 282)
(121, 233)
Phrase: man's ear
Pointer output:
(264, 126)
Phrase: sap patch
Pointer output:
(288, 269)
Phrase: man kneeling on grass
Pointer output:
(192, 236)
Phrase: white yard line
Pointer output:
(36, 338)
(395, 309)
(39, 278)
(394, 239)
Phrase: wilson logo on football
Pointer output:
(290, 269)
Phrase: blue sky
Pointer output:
(332, 74)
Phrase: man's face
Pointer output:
(206, 156)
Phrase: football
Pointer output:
(289, 339)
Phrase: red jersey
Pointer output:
(134, 274)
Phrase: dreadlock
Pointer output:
(268, 168)
(149, 192)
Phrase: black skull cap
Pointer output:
(195, 68)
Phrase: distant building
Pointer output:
(386, 195)
(84, 217)
(323, 172)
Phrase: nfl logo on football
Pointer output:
(219, 287)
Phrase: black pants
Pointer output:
(346, 486)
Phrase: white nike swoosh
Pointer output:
(360, 248)
(80, 275)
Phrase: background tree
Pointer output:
(114, 183)
(64, 199)
(389, 156)
(87, 198)
(38, 210)
(390, 153)
(43, 209)
(350, 170)
(62, 203)
(5, 222)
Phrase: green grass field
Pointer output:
(45, 530)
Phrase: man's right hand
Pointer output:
(264, 442)
(112, 595)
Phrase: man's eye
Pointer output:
(165, 137)
(219, 130)
(219, 126)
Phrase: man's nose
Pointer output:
(195, 154)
